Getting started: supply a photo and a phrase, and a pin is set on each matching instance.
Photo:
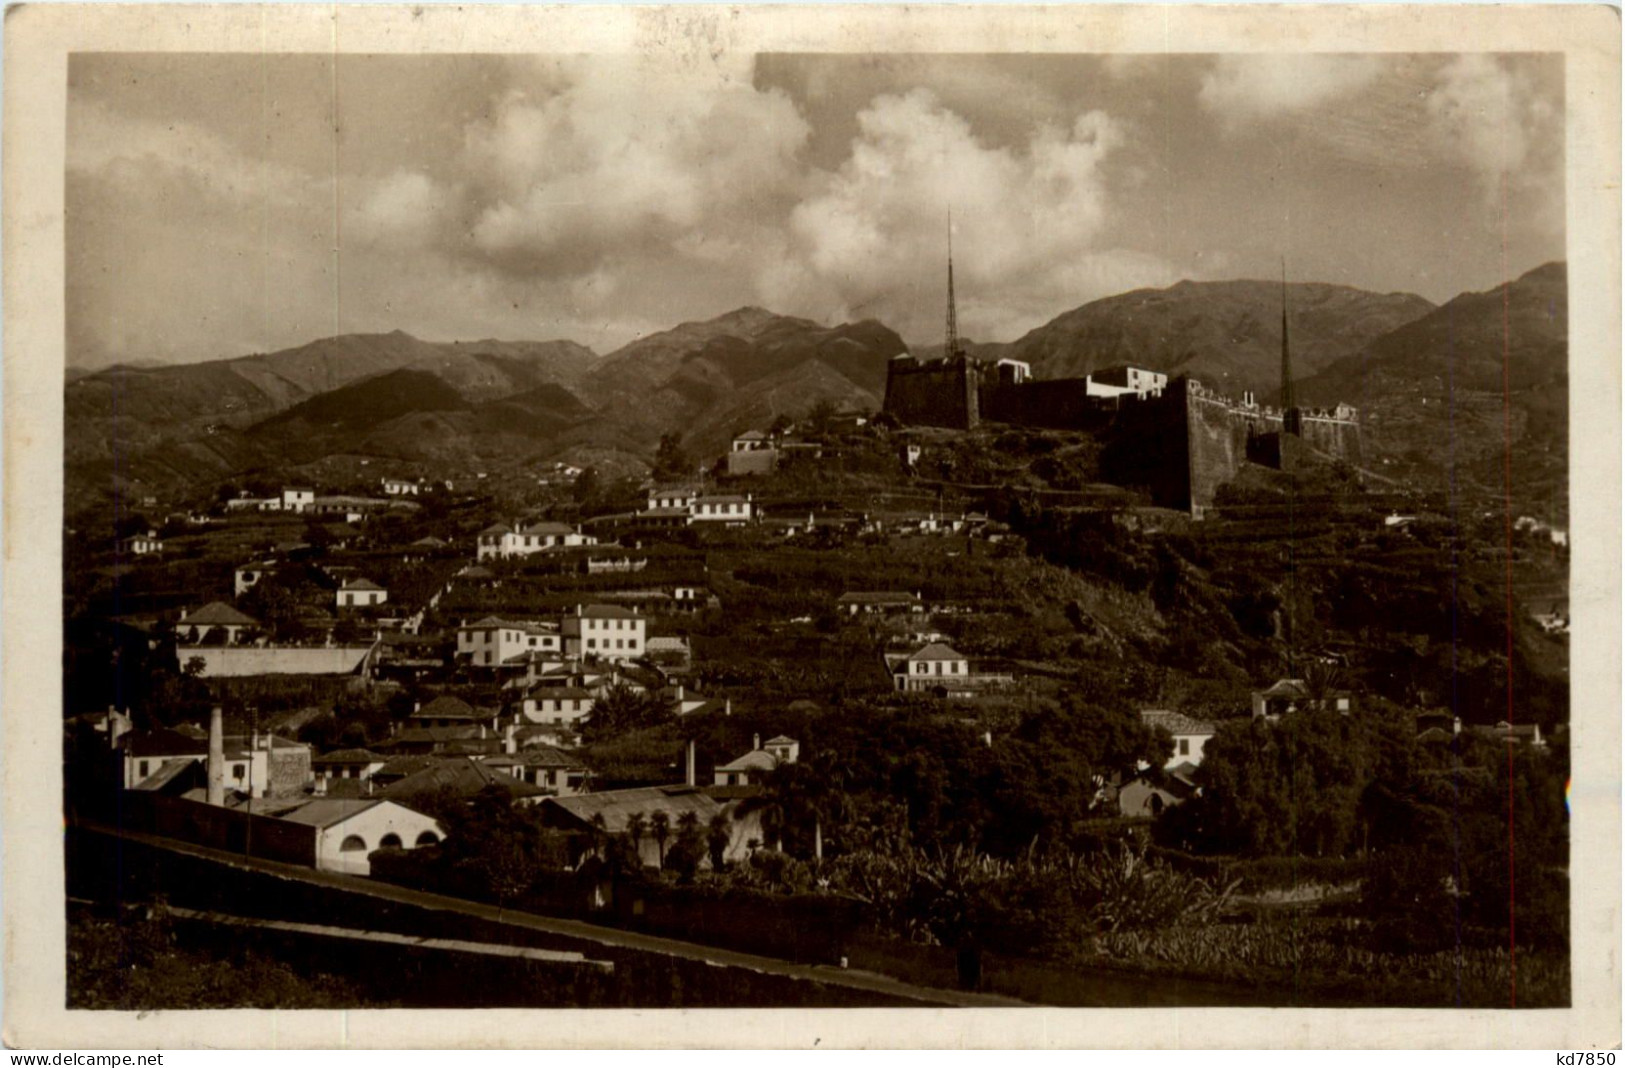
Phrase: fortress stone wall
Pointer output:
(935, 393)
(1179, 447)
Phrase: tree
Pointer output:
(636, 828)
(660, 829)
(586, 485)
(718, 834)
(821, 416)
(671, 462)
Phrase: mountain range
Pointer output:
(1406, 363)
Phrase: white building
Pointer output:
(1119, 381)
(721, 508)
(678, 497)
(1190, 735)
(298, 498)
(605, 631)
(361, 593)
(938, 664)
(141, 544)
(557, 706)
(401, 487)
(503, 541)
(492, 641)
(349, 829)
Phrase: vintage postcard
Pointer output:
(1064, 526)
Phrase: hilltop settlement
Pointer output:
(998, 669)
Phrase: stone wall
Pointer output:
(1333, 436)
(238, 660)
(1051, 404)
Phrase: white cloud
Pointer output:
(1024, 217)
(1240, 88)
(1494, 119)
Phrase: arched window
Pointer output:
(353, 844)
(390, 841)
(428, 838)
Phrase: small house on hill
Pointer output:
(361, 593)
(215, 616)
(1190, 735)
(1286, 696)
(449, 711)
(754, 767)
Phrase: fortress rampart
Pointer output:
(1179, 446)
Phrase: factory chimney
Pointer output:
(690, 771)
(217, 758)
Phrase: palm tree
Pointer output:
(660, 825)
(1321, 679)
(636, 827)
(600, 833)
(717, 836)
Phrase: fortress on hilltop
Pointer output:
(1178, 440)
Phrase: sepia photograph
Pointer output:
(819, 527)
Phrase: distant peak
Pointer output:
(750, 313)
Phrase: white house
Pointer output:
(347, 764)
(401, 487)
(492, 641)
(672, 497)
(1190, 735)
(606, 631)
(253, 764)
(557, 706)
(217, 615)
(721, 508)
(361, 593)
(938, 664)
(349, 829)
(141, 544)
(298, 498)
(501, 540)
(754, 766)
(752, 441)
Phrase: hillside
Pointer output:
(707, 378)
(1480, 381)
(1227, 334)
(137, 406)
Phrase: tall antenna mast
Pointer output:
(1288, 402)
(950, 348)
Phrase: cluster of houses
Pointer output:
(332, 810)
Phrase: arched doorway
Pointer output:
(353, 844)
(390, 841)
(428, 838)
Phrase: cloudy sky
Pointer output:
(223, 205)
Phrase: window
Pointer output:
(428, 838)
(353, 844)
(592, 643)
(236, 771)
(142, 769)
(1184, 747)
(390, 841)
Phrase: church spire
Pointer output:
(950, 348)
(1288, 401)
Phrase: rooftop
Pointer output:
(218, 614)
(1175, 722)
(619, 806)
(937, 651)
